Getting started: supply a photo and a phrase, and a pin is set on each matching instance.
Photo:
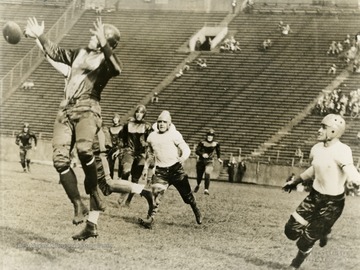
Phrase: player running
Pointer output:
(25, 140)
(164, 145)
(331, 165)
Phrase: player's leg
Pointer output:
(297, 228)
(126, 165)
(62, 146)
(22, 154)
(200, 169)
(159, 185)
(208, 170)
(136, 172)
(28, 158)
(86, 129)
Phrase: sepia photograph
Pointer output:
(180, 134)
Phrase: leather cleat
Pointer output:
(206, 192)
(299, 259)
(90, 230)
(149, 197)
(196, 189)
(323, 241)
(80, 211)
(146, 223)
(197, 214)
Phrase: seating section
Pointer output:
(246, 96)
(264, 90)
(11, 54)
(148, 51)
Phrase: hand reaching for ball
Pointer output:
(33, 28)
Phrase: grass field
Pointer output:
(242, 229)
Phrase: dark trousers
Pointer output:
(314, 218)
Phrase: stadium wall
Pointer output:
(218, 5)
(256, 173)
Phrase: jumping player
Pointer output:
(164, 145)
(331, 165)
(206, 151)
(79, 116)
(24, 140)
(133, 139)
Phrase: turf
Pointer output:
(242, 229)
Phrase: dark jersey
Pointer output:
(210, 148)
(90, 70)
(133, 136)
(25, 139)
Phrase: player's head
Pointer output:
(112, 35)
(210, 134)
(164, 121)
(332, 126)
(26, 126)
(140, 112)
(116, 119)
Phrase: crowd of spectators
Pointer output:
(339, 103)
(230, 45)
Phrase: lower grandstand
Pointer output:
(259, 102)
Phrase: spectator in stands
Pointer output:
(347, 41)
(179, 74)
(356, 66)
(286, 30)
(333, 49)
(267, 43)
(155, 98)
(331, 165)
(241, 170)
(28, 85)
(198, 45)
(332, 69)
(27, 142)
(201, 63)
(281, 26)
(233, 5)
(186, 67)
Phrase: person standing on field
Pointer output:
(331, 165)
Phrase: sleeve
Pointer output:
(35, 138)
(114, 64)
(217, 149)
(56, 53)
(199, 149)
(17, 140)
(182, 145)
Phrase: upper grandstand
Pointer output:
(259, 102)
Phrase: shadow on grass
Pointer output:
(28, 241)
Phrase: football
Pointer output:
(12, 32)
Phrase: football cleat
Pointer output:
(206, 192)
(146, 223)
(90, 230)
(196, 189)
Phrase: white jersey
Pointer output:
(168, 148)
(330, 167)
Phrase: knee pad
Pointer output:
(85, 151)
(304, 244)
